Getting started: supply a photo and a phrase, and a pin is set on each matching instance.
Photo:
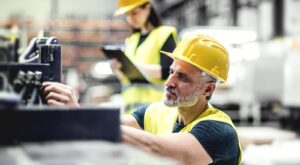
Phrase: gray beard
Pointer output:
(183, 102)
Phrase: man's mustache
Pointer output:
(171, 90)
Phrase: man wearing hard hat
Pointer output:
(185, 126)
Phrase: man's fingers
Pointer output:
(57, 88)
(59, 94)
(54, 103)
(58, 97)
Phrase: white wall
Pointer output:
(292, 17)
(265, 20)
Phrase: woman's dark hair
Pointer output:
(153, 17)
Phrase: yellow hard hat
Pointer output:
(205, 53)
(126, 5)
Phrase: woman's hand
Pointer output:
(116, 68)
(59, 94)
(115, 64)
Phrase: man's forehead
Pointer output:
(183, 66)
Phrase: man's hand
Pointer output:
(59, 94)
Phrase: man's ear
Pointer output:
(210, 87)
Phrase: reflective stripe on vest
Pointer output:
(160, 119)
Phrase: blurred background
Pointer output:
(262, 36)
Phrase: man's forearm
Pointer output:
(180, 146)
(130, 121)
(142, 139)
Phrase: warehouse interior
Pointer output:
(262, 94)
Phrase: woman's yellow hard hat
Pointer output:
(205, 53)
(126, 5)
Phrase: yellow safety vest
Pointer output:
(160, 119)
(148, 52)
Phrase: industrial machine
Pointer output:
(21, 80)
(24, 115)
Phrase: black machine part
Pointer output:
(31, 54)
(51, 54)
(59, 124)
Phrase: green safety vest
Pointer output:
(160, 119)
(148, 52)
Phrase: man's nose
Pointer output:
(171, 80)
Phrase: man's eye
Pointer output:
(181, 77)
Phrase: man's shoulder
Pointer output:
(215, 132)
(219, 139)
(215, 114)
(218, 126)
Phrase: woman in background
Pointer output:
(143, 47)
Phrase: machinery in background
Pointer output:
(6, 50)
(291, 88)
(20, 81)
(9, 45)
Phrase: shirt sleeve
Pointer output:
(219, 139)
(166, 61)
(139, 114)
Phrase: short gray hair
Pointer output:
(208, 79)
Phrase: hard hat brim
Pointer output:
(123, 10)
(180, 57)
(168, 54)
(126, 9)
